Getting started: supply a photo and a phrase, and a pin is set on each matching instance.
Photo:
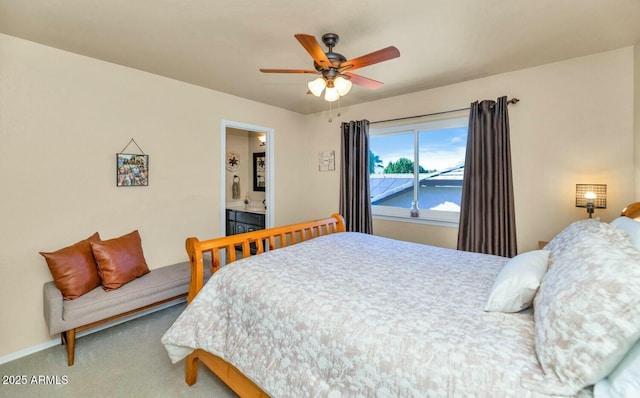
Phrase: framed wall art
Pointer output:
(233, 162)
(132, 170)
(327, 161)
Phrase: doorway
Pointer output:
(249, 144)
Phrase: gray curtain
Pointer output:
(487, 215)
(355, 204)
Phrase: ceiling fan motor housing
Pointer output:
(330, 40)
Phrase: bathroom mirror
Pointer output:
(259, 171)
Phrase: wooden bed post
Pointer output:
(197, 267)
(340, 225)
(191, 369)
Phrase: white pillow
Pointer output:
(624, 381)
(518, 281)
(631, 227)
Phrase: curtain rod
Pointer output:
(511, 101)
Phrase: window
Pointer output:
(422, 164)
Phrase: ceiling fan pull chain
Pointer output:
(330, 119)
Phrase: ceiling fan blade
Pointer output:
(363, 81)
(314, 49)
(372, 58)
(287, 71)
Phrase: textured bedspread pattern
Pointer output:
(354, 315)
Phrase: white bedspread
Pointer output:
(354, 315)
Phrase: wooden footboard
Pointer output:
(272, 238)
(250, 243)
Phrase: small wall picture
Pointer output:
(327, 160)
(132, 170)
(259, 171)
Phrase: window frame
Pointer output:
(426, 216)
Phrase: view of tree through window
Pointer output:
(422, 163)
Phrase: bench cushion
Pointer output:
(159, 284)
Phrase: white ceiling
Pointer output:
(221, 44)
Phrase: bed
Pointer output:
(327, 313)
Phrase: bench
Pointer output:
(68, 317)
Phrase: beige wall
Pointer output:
(63, 117)
(574, 124)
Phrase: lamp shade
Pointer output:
(316, 86)
(331, 94)
(342, 85)
(595, 194)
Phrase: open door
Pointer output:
(247, 171)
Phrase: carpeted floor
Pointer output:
(126, 360)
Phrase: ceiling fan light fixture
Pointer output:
(342, 85)
(330, 65)
(316, 86)
(331, 94)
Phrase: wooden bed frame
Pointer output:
(228, 246)
(276, 238)
(632, 211)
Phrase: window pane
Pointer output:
(391, 162)
(441, 154)
(437, 148)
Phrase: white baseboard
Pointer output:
(51, 343)
(27, 351)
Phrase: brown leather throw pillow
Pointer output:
(120, 260)
(74, 269)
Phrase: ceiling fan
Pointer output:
(335, 68)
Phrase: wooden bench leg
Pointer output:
(70, 337)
